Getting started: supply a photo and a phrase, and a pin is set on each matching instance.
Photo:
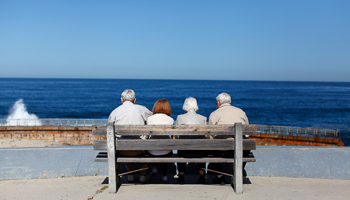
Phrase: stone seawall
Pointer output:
(62, 134)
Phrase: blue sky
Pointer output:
(222, 40)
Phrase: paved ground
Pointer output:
(269, 188)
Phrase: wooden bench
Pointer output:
(113, 144)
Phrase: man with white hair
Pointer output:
(131, 114)
(225, 114)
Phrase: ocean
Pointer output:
(300, 104)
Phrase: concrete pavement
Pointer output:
(269, 188)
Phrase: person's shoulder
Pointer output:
(168, 117)
(117, 108)
(214, 112)
(151, 117)
(237, 109)
(142, 107)
(181, 116)
(201, 116)
(204, 118)
(180, 119)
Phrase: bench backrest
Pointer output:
(174, 130)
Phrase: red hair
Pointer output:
(162, 106)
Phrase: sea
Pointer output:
(281, 103)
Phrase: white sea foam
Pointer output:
(19, 116)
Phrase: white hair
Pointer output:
(190, 104)
(224, 98)
(128, 95)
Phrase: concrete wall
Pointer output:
(51, 162)
(312, 162)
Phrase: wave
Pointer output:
(19, 116)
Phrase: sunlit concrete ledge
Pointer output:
(310, 162)
(52, 162)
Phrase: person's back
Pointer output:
(191, 117)
(126, 114)
(130, 114)
(227, 114)
(161, 116)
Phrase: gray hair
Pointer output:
(224, 98)
(190, 104)
(128, 95)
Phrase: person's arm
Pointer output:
(205, 120)
(111, 117)
(145, 113)
(210, 122)
(246, 119)
(246, 122)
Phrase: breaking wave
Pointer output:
(19, 116)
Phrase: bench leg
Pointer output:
(238, 164)
(117, 181)
(112, 165)
(112, 177)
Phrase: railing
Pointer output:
(262, 129)
(52, 122)
(298, 131)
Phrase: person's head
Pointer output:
(162, 106)
(190, 104)
(223, 98)
(128, 95)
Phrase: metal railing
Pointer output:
(52, 122)
(298, 131)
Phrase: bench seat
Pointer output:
(103, 157)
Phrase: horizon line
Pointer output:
(175, 79)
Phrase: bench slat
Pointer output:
(99, 130)
(103, 157)
(174, 130)
(180, 144)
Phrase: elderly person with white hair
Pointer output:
(130, 113)
(225, 114)
(191, 117)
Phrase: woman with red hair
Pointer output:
(161, 116)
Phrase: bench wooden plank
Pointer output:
(99, 130)
(178, 144)
(174, 130)
(103, 157)
(179, 160)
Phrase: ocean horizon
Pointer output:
(283, 103)
(175, 79)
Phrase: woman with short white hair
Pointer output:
(190, 117)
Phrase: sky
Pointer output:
(296, 40)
